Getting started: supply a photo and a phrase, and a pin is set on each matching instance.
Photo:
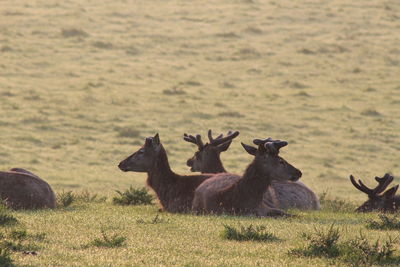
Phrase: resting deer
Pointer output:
(242, 195)
(21, 189)
(386, 202)
(281, 194)
(175, 192)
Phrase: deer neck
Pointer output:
(214, 166)
(252, 186)
(161, 177)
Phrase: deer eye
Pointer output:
(141, 151)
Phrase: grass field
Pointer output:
(82, 83)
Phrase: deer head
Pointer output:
(206, 158)
(377, 201)
(143, 159)
(267, 159)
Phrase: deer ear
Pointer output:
(156, 140)
(224, 146)
(389, 194)
(251, 150)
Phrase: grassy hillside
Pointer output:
(82, 83)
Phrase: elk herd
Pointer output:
(267, 187)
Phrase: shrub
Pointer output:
(253, 233)
(359, 251)
(355, 252)
(108, 241)
(64, 199)
(19, 240)
(86, 196)
(385, 223)
(133, 196)
(320, 244)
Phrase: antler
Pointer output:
(273, 145)
(261, 141)
(220, 139)
(195, 140)
(382, 184)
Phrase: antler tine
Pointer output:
(360, 186)
(199, 142)
(383, 183)
(189, 138)
(220, 139)
(211, 138)
(279, 144)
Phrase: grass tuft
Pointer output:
(335, 204)
(6, 218)
(321, 244)
(155, 220)
(247, 233)
(133, 196)
(65, 199)
(385, 223)
(108, 241)
(360, 251)
(5, 257)
(355, 252)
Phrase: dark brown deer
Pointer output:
(281, 194)
(378, 201)
(21, 189)
(207, 158)
(242, 195)
(175, 192)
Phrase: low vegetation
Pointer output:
(108, 241)
(247, 233)
(133, 196)
(385, 222)
(358, 251)
(335, 203)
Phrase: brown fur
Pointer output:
(21, 189)
(225, 192)
(175, 192)
(282, 194)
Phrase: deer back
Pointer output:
(25, 191)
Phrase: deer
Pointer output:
(243, 195)
(175, 192)
(21, 189)
(378, 201)
(281, 194)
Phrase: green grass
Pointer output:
(82, 85)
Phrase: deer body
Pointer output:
(22, 189)
(175, 192)
(280, 194)
(242, 195)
